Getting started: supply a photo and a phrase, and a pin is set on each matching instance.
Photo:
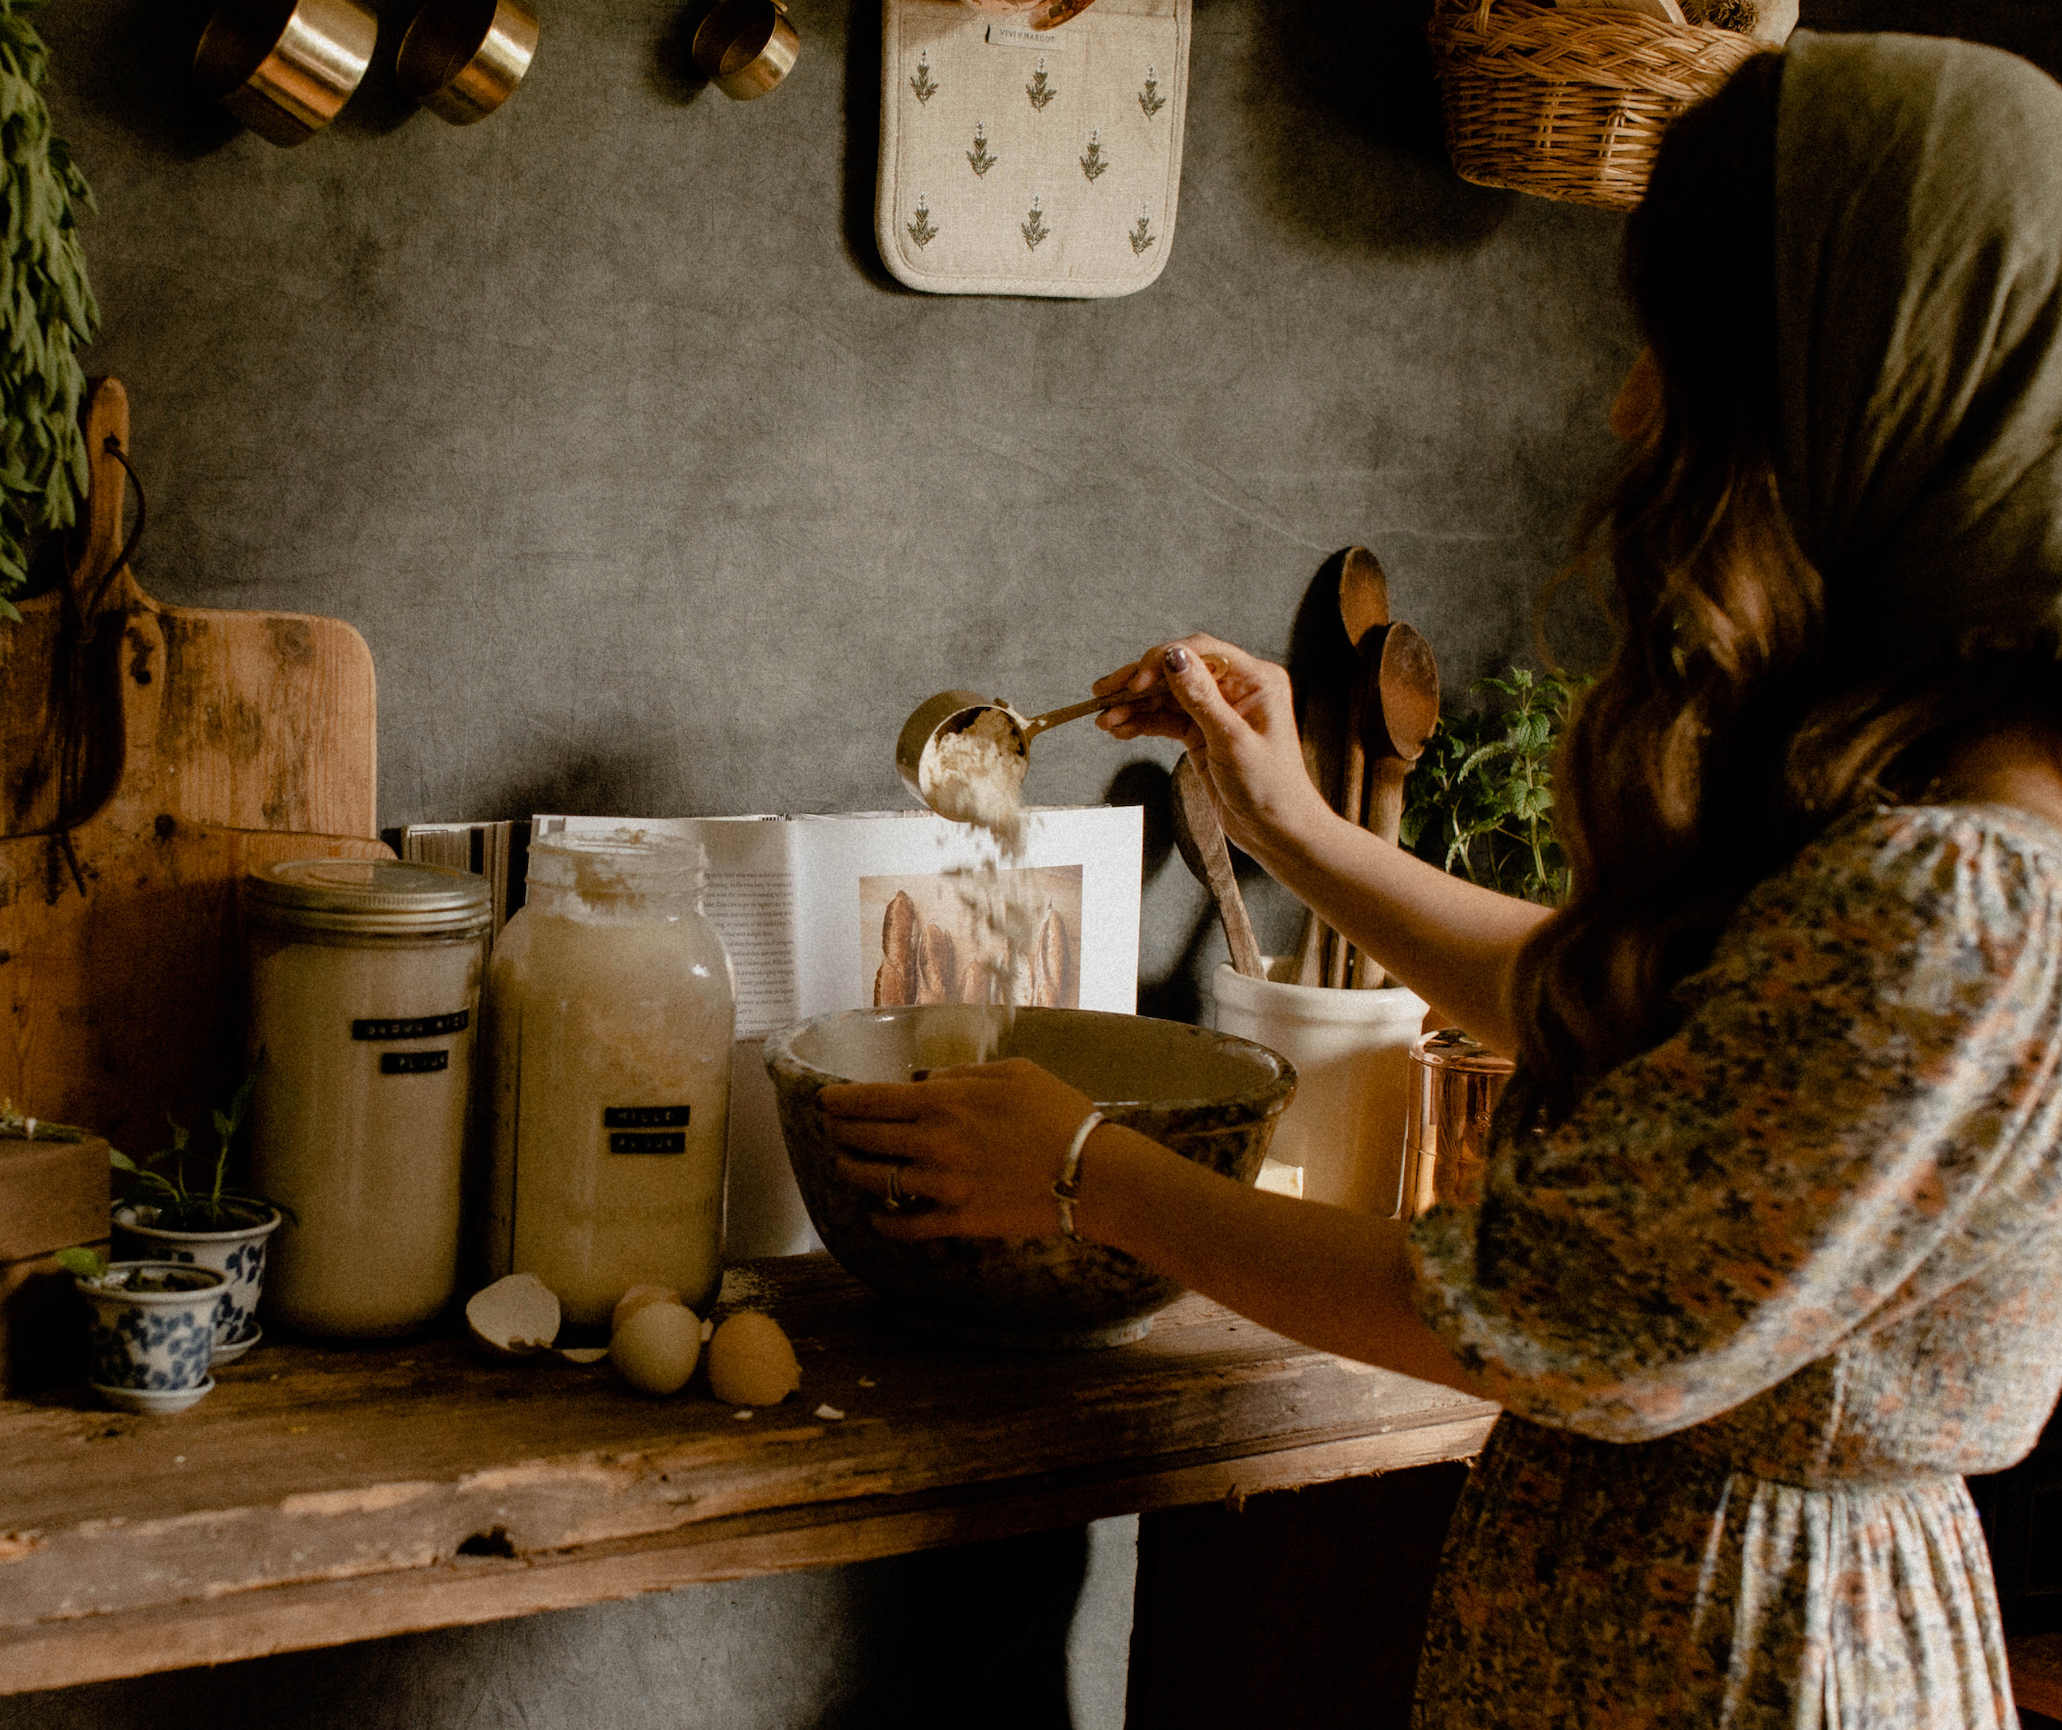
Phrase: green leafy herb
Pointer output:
(86, 1263)
(209, 1204)
(1482, 795)
(47, 311)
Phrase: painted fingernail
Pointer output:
(1177, 659)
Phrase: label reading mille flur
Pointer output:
(645, 1128)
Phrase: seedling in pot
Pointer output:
(206, 1221)
(90, 1264)
(177, 1205)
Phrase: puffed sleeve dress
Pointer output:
(1760, 1302)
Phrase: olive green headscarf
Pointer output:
(1919, 285)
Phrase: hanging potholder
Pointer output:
(1020, 161)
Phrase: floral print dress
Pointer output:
(1760, 1302)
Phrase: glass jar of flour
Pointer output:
(364, 985)
(610, 1013)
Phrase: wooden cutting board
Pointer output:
(265, 720)
(154, 755)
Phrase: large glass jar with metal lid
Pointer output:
(610, 1013)
(365, 980)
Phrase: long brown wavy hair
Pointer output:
(1727, 730)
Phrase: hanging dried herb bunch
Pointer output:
(47, 312)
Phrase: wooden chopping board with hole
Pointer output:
(153, 755)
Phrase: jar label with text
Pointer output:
(414, 1027)
(646, 1128)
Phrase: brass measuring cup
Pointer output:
(939, 717)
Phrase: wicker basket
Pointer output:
(1569, 104)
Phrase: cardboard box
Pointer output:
(53, 1195)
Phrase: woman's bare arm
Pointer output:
(982, 1145)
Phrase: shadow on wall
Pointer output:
(671, 74)
(1351, 143)
(861, 49)
(142, 77)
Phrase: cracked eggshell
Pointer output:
(514, 1317)
(636, 1298)
(656, 1347)
(751, 1362)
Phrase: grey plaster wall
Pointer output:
(653, 493)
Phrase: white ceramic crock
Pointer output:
(1351, 1050)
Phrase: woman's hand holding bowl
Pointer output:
(979, 1147)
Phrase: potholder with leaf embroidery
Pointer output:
(1016, 161)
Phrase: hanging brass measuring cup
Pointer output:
(462, 59)
(939, 717)
(285, 67)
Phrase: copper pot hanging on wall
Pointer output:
(285, 67)
(462, 59)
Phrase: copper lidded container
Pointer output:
(1455, 1082)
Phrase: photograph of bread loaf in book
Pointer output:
(945, 938)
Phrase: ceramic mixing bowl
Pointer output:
(1208, 1096)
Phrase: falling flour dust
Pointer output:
(976, 776)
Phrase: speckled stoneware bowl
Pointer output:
(1210, 1097)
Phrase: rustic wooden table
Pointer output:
(324, 1494)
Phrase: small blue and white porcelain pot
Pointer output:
(153, 1332)
(238, 1254)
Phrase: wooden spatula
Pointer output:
(1199, 835)
(1401, 711)
(1363, 607)
(1364, 612)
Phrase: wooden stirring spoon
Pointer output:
(1402, 710)
(1199, 834)
(1363, 607)
(1363, 610)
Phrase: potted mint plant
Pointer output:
(1481, 794)
(166, 1217)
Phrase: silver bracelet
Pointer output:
(1066, 1189)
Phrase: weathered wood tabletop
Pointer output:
(326, 1494)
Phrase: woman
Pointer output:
(1769, 1253)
